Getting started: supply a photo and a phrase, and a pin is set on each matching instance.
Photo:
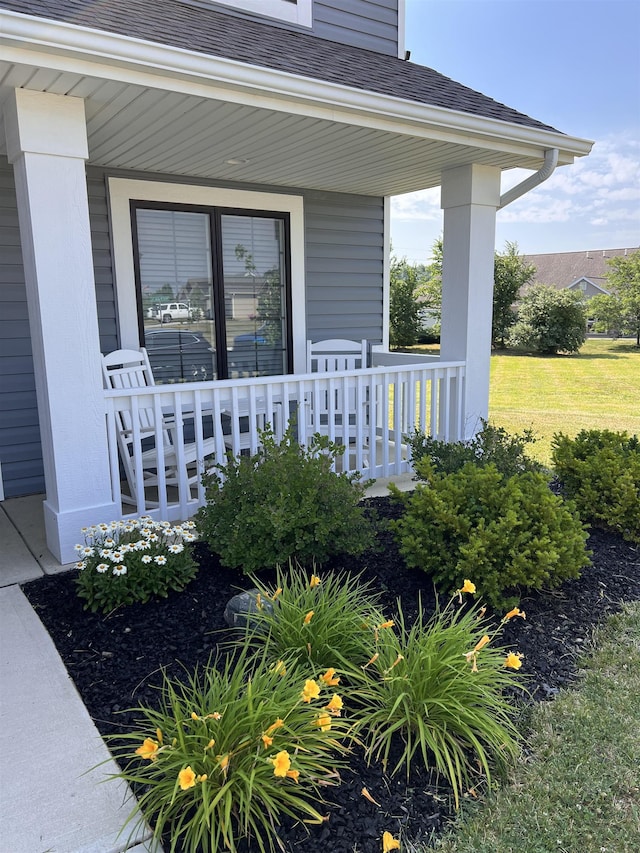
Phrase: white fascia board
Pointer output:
(53, 44)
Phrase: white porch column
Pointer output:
(47, 144)
(470, 197)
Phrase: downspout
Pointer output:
(547, 169)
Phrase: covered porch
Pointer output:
(369, 412)
(96, 122)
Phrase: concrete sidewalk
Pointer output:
(48, 741)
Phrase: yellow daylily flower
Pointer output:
(515, 612)
(335, 705)
(272, 728)
(467, 586)
(266, 740)
(482, 643)
(210, 744)
(279, 667)
(389, 843)
(323, 722)
(315, 580)
(308, 617)
(311, 690)
(293, 774)
(329, 677)
(281, 763)
(513, 660)
(388, 624)
(148, 750)
(186, 778)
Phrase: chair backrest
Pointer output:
(122, 370)
(127, 368)
(336, 354)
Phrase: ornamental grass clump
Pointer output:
(134, 560)
(437, 689)
(284, 502)
(510, 533)
(327, 619)
(230, 751)
(600, 472)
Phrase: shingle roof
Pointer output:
(212, 32)
(561, 269)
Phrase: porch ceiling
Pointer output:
(194, 127)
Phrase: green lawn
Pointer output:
(599, 387)
(578, 788)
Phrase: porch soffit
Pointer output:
(290, 131)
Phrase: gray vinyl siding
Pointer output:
(344, 265)
(371, 24)
(344, 258)
(20, 449)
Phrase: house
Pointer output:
(582, 271)
(238, 158)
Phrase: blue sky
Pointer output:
(573, 64)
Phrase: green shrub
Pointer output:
(340, 630)
(600, 471)
(283, 503)
(491, 445)
(509, 533)
(133, 560)
(439, 687)
(226, 754)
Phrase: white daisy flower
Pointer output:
(160, 560)
(119, 570)
(176, 549)
(101, 568)
(147, 558)
(81, 565)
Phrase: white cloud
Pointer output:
(421, 205)
(593, 203)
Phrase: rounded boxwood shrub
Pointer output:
(508, 533)
(283, 503)
(600, 471)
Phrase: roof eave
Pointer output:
(149, 63)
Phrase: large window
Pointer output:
(213, 287)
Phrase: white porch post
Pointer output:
(470, 198)
(47, 144)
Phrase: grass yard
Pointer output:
(578, 789)
(597, 388)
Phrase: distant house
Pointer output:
(239, 157)
(582, 271)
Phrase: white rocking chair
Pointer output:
(347, 420)
(160, 464)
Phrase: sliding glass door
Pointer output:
(213, 291)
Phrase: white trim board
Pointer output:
(123, 190)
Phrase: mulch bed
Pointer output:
(115, 662)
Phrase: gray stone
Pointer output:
(239, 609)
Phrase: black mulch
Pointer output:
(115, 662)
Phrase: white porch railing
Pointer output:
(369, 411)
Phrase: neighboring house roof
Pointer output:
(564, 269)
(210, 31)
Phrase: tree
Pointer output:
(624, 281)
(510, 273)
(404, 310)
(550, 321)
